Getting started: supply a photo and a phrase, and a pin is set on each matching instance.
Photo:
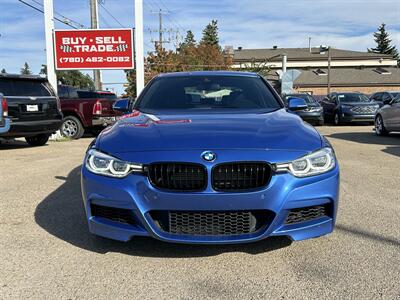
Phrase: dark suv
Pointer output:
(33, 108)
(349, 107)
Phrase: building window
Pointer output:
(320, 72)
(382, 71)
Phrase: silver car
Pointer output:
(387, 118)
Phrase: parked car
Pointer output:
(387, 118)
(313, 113)
(348, 107)
(90, 110)
(4, 120)
(210, 157)
(33, 108)
(382, 97)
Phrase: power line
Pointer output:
(39, 10)
(174, 35)
(176, 22)
(66, 19)
(103, 19)
(111, 15)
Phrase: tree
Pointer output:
(383, 43)
(3, 71)
(189, 56)
(75, 78)
(72, 77)
(210, 34)
(26, 70)
(189, 39)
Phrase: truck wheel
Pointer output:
(37, 140)
(72, 128)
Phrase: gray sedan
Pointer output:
(387, 118)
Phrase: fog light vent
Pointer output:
(303, 214)
(114, 214)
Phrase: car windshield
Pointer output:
(353, 97)
(210, 94)
(395, 94)
(306, 97)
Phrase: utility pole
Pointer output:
(139, 52)
(160, 13)
(94, 15)
(160, 29)
(49, 28)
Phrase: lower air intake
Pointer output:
(212, 223)
(303, 214)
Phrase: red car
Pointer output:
(90, 110)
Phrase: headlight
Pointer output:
(316, 109)
(103, 164)
(315, 163)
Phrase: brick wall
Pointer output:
(368, 90)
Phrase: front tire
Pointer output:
(72, 128)
(336, 119)
(37, 140)
(380, 127)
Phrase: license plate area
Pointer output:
(32, 108)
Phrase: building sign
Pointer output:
(93, 49)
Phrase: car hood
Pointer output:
(278, 130)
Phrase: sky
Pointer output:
(345, 24)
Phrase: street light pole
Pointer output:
(139, 46)
(49, 28)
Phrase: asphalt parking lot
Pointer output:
(46, 250)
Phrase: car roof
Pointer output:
(22, 76)
(208, 73)
(345, 93)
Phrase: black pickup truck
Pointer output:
(33, 108)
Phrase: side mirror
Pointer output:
(122, 105)
(387, 101)
(296, 104)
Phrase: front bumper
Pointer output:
(30, 128)
(4, 125)
(136, 194)
(312, 117)
(349, 117)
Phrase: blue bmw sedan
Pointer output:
(210, 157)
